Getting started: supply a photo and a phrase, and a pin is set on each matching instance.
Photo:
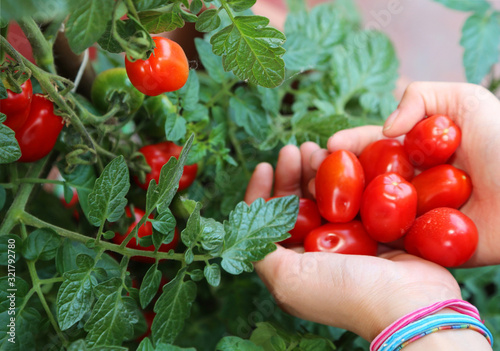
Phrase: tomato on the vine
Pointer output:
(441, 186)
(166, 70)
(339, 185)
(388, 207)
(345, 238)
(432, 141)
(39, 133)
(443, 235)
(157, 155)
(383, 156)
(145, 230)
(114, 87)
(308, 219)
(17, 106)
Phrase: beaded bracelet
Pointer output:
(457, 305)
(431, 324)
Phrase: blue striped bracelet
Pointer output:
(430, 324)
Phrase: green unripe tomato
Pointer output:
(112, 87)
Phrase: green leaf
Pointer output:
(480, 40)
(245, 108)
(82, 178)
(191, 233)
(9, 148)
(27, 327)
(230, 343)
(212, 274)
(251, 231)
(3, 91)
(167, 347)
(251, 50)
(317, 126)
(164, 223)
(41, 244)
(142, 5)
(208, 21)
(39, 10)
(189, 256)
(190, 92)
(172, 308)
(212, 236)
(10, 290)
(195, 6)
(466, 5)
(75, 297)
(211, 62)
(107, 199)
(241, 5)
(3, 197)
(175, 127)
(166, 20)
(112, 317)
(149, 286)
(125, 29)
(87, 23)
(10, 246)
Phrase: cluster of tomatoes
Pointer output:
(377, 198)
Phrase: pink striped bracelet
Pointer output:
(457, 305)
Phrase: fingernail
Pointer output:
(390, 120)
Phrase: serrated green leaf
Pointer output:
(311, 342)
(112, 317)
(190, 92)
(211, 62)
(251, 231)
(164, 223)
(172, 309)
(196, 275)
(208, 20)
(480, 40)
(27, 323)
(162, 21)
(9, 148)
(41, 244)
(107, 199)
(212, 236)
(125, 29)
(87, 23)
(150, 285)
(241, 5)
(191, 233)
(142, 5)
(189, 256)
(145, 345)
(212, 274)
(175, 127)
(317, 126)
(196, 6)
(82, 178)
(84, 261)
(230, 343)
(75, 297)
(466, 5)
(251, 50)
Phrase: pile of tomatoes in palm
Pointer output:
(395, 193)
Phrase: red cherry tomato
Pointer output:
(145, 230)
(308, 219)
(345, 238)
(167, 69)
(339, 185)
(443, 235)
(432, 141)
(384, 156)
(388, 207)
(39, 133)
(17, 106)
(441, 186)
(157, 155)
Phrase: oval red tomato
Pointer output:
(17, 106)
(167, 69)
(39, 133)
(308, 219)
(339, 185)
(145, 230)
(441, 186)
(388, 207)
(345, 238)
(157, 155)
(443, 235)
(432, 141)
(383, 156)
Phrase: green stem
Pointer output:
(131, 9)
(33, 221)
(51, 280)
(40, 181)
(228, 10)
(42, 50)
(236, 144)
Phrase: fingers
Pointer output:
(354, 139)
(260, 184)
(421, 99)
(306, 151)
(288, 172)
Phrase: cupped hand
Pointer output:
(363, 294)
(477, 112)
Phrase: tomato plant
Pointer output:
(432, 141)
(17, 106)
(166, 70)
(39, 133)
(339, 185)
(388, 207)
(384, 156)
(343, 238)
(443, 235)
(157, 155)
(441, 186)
